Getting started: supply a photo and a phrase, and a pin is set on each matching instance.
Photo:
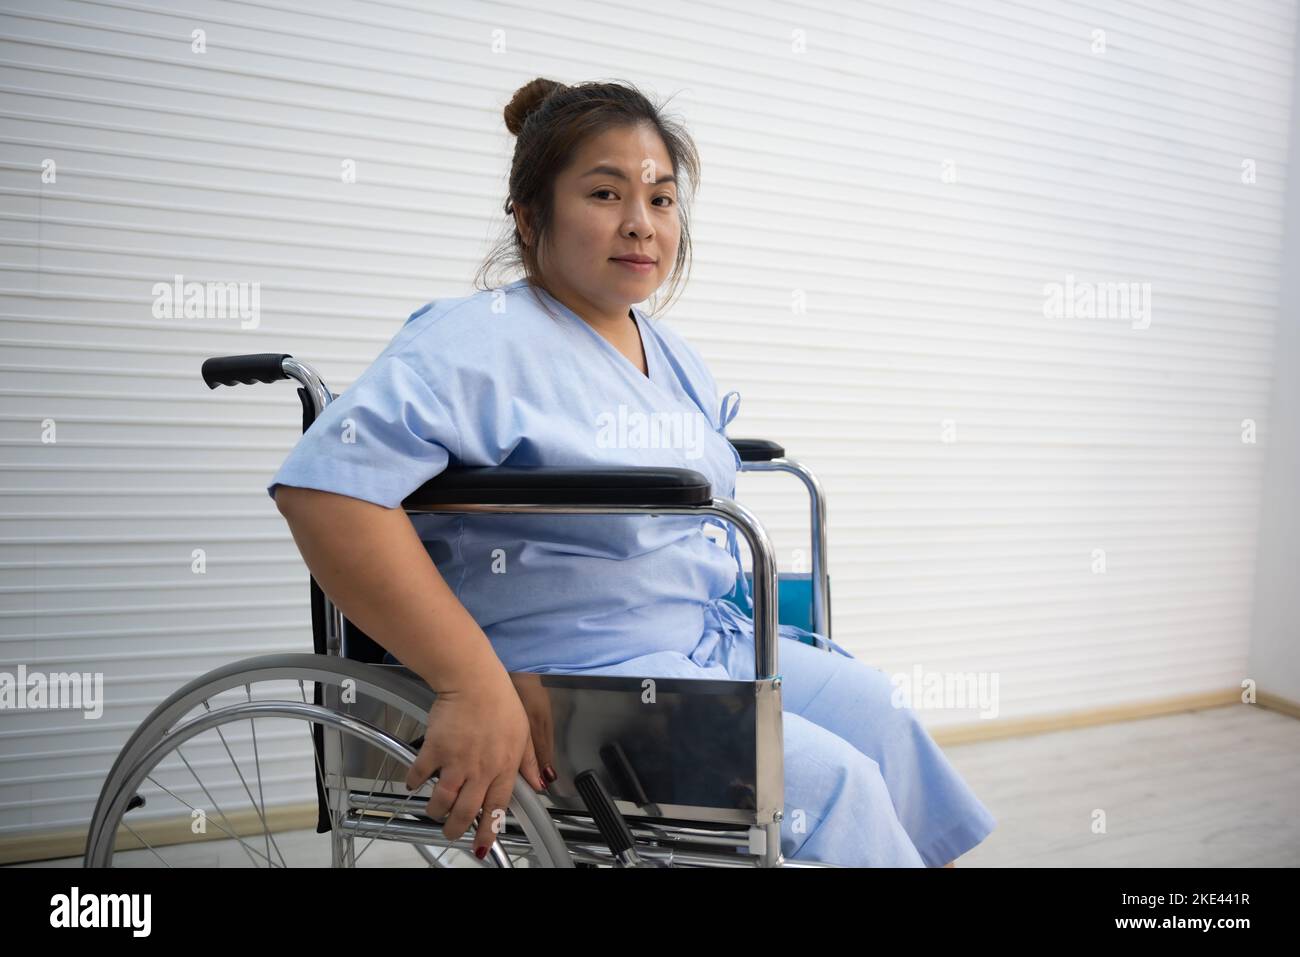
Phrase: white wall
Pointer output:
(823, 179)
(1275, 628)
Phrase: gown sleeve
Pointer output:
(379, 441)
(443, 393)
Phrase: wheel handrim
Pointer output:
(534, 835)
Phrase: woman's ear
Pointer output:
(521, 223)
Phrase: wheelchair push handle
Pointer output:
(259, 367)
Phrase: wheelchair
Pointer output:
(651, 772)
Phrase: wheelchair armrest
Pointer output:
(633, 488)
(757, 450)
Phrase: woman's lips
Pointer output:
(641, 268)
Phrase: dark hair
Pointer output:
(550, 122)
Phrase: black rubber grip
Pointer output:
(757, 450)
(610, 823)
(228, 370)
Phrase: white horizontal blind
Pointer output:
(917, 178)
(825, 129)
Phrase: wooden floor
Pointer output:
(1218, 787)
(1213, 788)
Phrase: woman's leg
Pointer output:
(853, 700)
(837, 808)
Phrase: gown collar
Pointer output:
(649, 344)
(727, 411)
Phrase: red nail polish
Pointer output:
(549, 773)
(480, 852)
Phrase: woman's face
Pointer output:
(616, 198)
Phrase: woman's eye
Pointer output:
(610, 192)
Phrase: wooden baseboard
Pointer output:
(1277, 703)
(50, 845)
(993, 730)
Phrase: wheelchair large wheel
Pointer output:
(221, 758)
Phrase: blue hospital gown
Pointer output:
(492, 379)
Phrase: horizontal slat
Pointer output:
(822, 177)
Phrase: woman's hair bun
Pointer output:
(527, 99)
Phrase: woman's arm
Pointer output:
(371, 563)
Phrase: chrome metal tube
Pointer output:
(319, 395)
(821, 607)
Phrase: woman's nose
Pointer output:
(638, 225)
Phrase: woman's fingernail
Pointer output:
(480, 852)
(549, 774)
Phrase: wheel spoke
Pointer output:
(261, 795)
(244, 782)
(158, 784)
(208, 793)
(374, 784)
(148, 845)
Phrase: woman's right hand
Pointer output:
(478, 741)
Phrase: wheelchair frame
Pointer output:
(689, 771)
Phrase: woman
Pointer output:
(557, 369)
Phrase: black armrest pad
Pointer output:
(757, 450)
(552, 486)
